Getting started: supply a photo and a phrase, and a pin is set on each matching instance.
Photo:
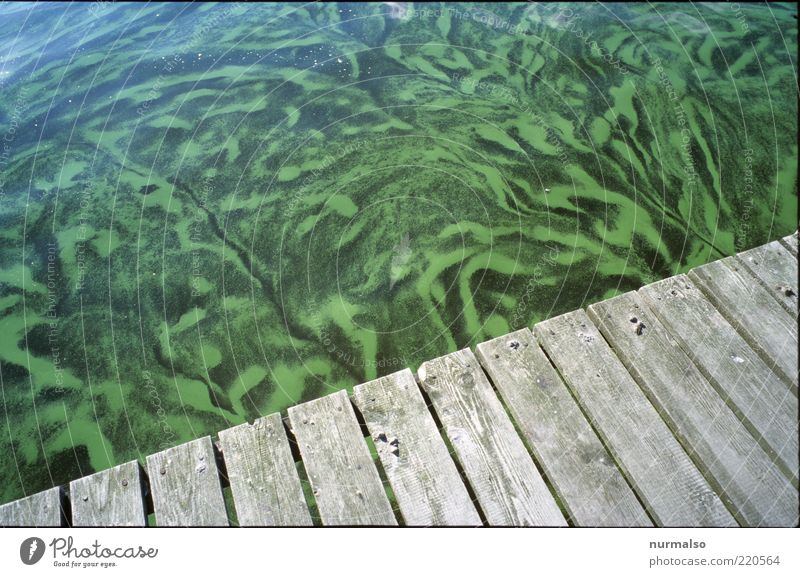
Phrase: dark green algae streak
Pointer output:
(210, 213)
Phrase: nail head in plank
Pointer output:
(264, 481)
(343, 477)
(670, 485)
(776, 269)
(746, 305)
(587, 480)
(502, 474)
(419, 467)
(110, 498)
(38, 510)
(185, 484)
(755, 393)
(722, 447)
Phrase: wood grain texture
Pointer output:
(38, 510)
(264, 481)
(749, 307)
(584, 475)
(419, 467)
(186, 488)
(669, 484)
(343, 477)
(110, 498)
(757, 395)
(790, 242)
(776, 269)
(749, 482)
(502, 474)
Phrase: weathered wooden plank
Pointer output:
(184, 481)
(776, 269)
(722, 448)
(671, 487)
(264, 481)
(746, 305)
(584, 475)
(502, 474)
(38, 510)
(756, 394)
(110, 498)
(344, 479)
(424, 478)
(790, 242)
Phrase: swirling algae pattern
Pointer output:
(213, 212)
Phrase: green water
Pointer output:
(211, 213)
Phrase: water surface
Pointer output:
(213, 212)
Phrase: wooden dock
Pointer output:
(673, 405)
